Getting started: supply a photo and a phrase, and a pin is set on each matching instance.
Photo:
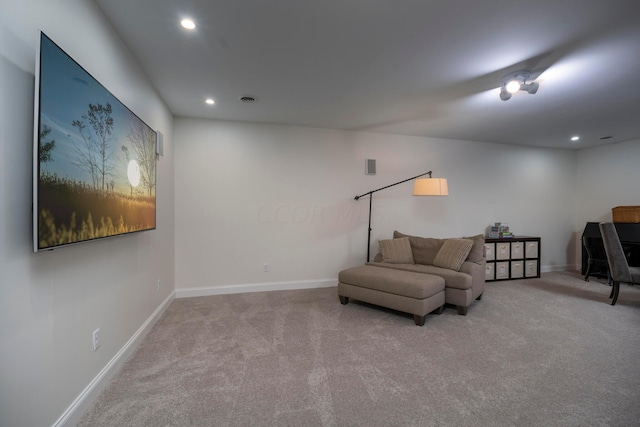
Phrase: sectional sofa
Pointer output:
(419, 275)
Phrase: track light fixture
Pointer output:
(518, 80)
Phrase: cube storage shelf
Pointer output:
(510, 258)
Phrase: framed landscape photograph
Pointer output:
(94, 159)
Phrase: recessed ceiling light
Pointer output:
(575, 138)
(209, 101)
(188, 24)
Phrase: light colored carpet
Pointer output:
(537, 352)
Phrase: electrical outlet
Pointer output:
(158, 286)
(265, 268)
(96, 339)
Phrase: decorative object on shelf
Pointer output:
(421, 187)
(499, 230)
(629, 214)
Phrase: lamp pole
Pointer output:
(370, 194)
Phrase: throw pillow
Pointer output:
(396, 251)
(453, 253)
(424, 249)
(477, 250)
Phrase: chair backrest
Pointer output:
(618, 265)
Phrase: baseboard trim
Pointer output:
(83, 402)
(255, 287)
(556, 268)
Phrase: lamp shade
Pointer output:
(430, 187)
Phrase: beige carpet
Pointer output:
(537, 352)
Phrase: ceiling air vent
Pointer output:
(247, 99)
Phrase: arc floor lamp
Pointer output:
(421, 187)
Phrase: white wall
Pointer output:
(51, 302)
(248, 194)
(608, 176)
(245, 194)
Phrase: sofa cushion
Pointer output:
(405, 283)
(452, 279)
(424, 249)
(476, 254)
(453, 253)
(396, 251)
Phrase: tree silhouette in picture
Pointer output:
(143, 141)
(95, 149)
(125, 161)
(46, 147)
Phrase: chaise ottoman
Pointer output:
(415, 293)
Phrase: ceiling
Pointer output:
(409, 67)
